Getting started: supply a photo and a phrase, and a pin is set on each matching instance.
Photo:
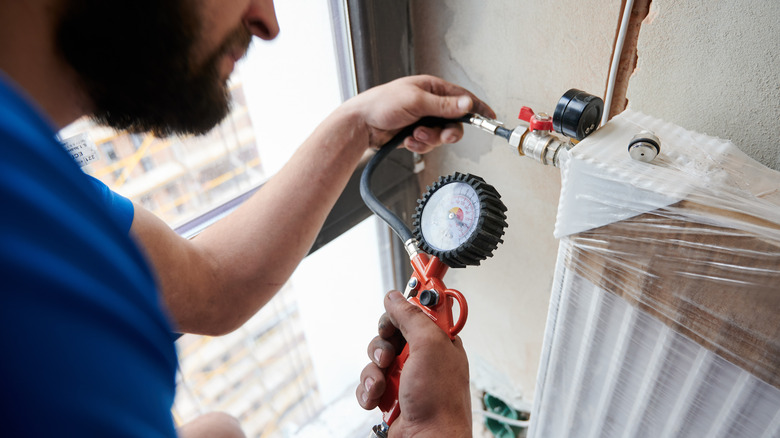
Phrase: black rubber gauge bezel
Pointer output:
(490, 223)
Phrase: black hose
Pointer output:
(373, 204)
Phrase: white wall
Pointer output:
(714, 69)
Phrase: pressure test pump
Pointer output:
(460, 219)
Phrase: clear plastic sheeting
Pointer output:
(665, 312)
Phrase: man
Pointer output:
(88, 305)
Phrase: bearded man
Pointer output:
(93, 286)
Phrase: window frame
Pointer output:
(373, 46)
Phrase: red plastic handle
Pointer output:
(428, 273)
(463, 310)
(536, 123)
(389, 403)
(526, 114)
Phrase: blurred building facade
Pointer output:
(180, 178)
(261, 373)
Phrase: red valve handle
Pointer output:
(537, 124)
(526, 114)
(428, 273)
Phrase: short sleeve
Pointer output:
(117, 205)
(86, 345)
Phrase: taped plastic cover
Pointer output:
(665, 312)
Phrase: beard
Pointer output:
(135, 59)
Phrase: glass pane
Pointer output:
(292, 370)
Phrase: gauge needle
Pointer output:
(455, 218)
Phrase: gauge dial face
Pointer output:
(450, 216)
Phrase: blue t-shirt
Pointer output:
(117, 205)
(86, 346)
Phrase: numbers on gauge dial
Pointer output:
(450, 216)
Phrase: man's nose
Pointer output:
(260, 19)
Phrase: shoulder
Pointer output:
(80, 310)
(115, 204)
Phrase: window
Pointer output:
(278, 373)
(108, 151)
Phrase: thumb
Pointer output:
(407, 317)
(448, 107)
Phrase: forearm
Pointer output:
(217, 281)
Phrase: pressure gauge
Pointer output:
(460, 220)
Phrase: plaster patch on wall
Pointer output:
(487, 378)
(651, 14)
(441, 17)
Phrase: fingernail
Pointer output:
(368, 384)
(378, 355)
(451, 139)
(393, 295)
(364, 397)
(421, 135)
(464, 103)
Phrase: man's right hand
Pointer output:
(434, 392)
(386, 109)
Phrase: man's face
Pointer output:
(145, 64)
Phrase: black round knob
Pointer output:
(429, 298)
(577, 114)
